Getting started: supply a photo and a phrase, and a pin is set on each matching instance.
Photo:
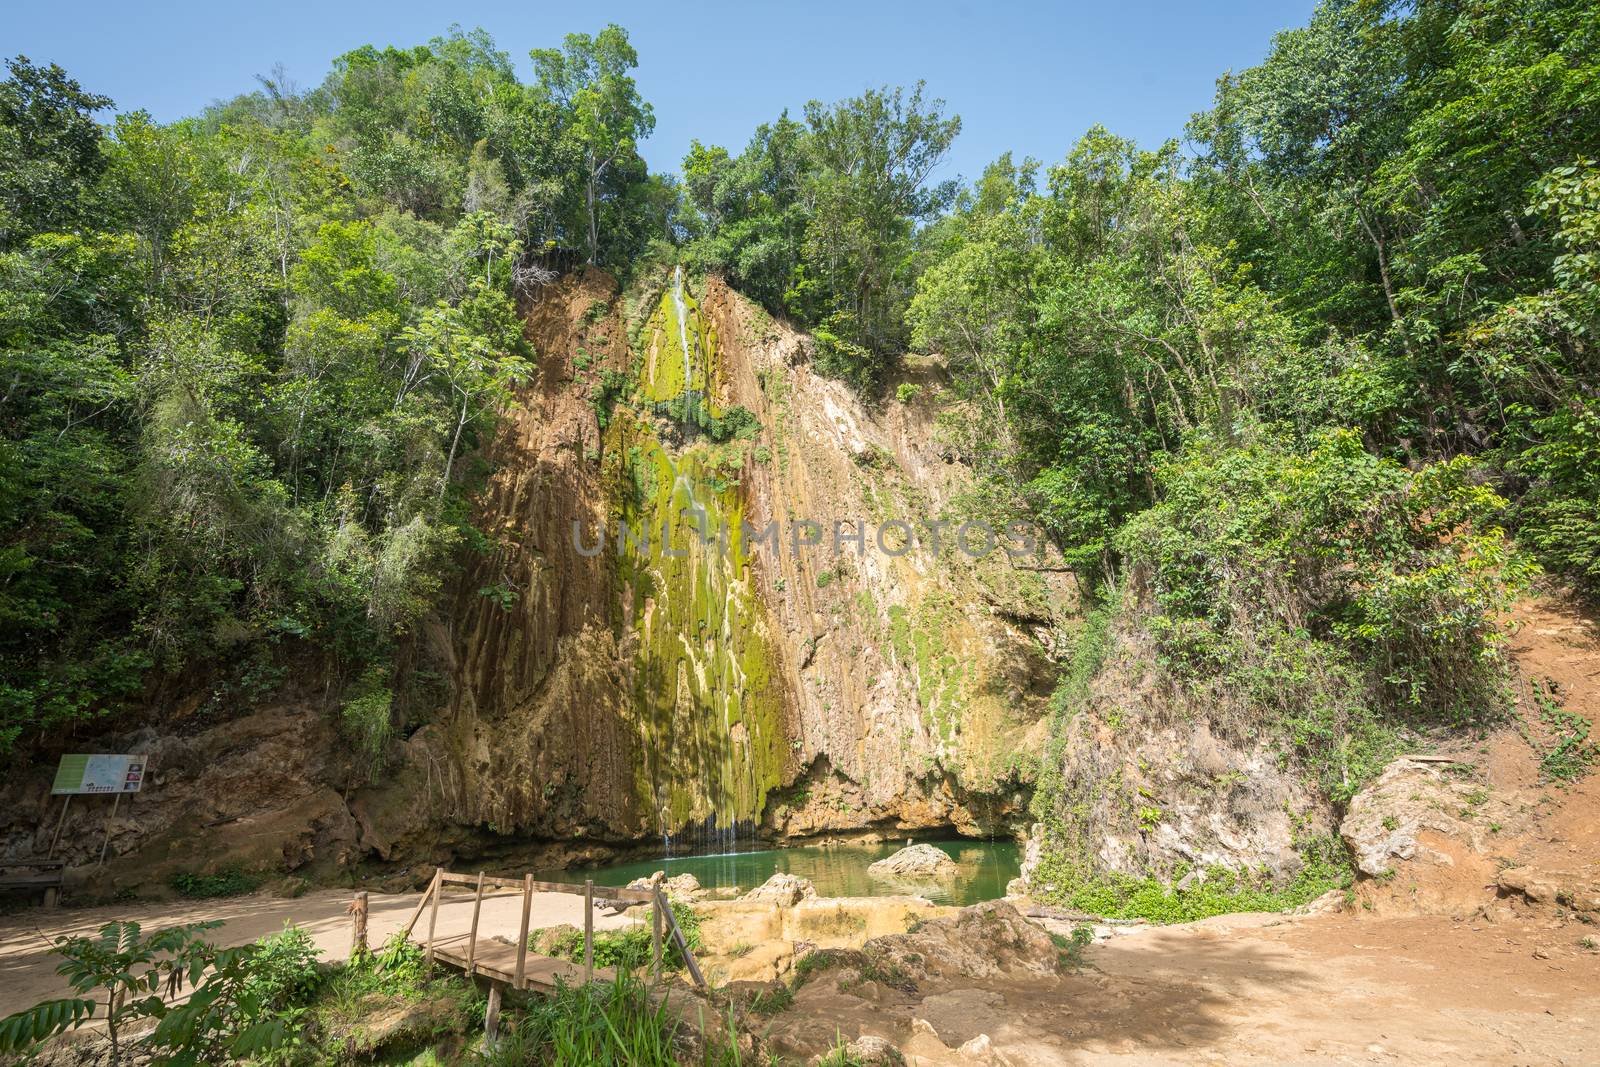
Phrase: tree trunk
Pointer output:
(594, 230)
(455, 442)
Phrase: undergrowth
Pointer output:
(1571, 753)
(1222, 890)
(629, 947)
(228, 882)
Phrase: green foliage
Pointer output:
(227, 882)
(49, 150)
(284, 974)
(603, 119)
(227, 1016)
(600, 1023)
(817, 219)
(772, 1000)
(1219, 891)
(1404, 569)
(1571, 753)
(367, 717)
(249, 355)
(1070, 949)
(628, 948)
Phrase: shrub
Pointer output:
(284, 971)
(227, 882)
(629, 948)
(1402, 570)
(225, 1019)
(367, 717)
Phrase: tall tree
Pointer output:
(49, 149)
(588, 77)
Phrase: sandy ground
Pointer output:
(27, 969)
(1252, 990)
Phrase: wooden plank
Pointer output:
(115, 801)
(30, 881)
(496, 961)
(477, 908)
(588, 931)
(416, 913)
(56, 840)
(522, 935)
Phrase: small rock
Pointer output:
(868, 1051)
(681, 885)
(978, 1046)
(651, 882)
(915, 861)
(784, 889)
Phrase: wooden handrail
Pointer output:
(602, 892)
(588, 931)
(663, 923)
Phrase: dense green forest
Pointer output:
(1317, 381)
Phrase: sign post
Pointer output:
(96, 774)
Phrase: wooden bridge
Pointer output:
(479, 954)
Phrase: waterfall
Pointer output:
(683, 335)
(711, 716)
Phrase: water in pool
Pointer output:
(836, 870)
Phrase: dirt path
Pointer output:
(27, 969)
(1251, 990)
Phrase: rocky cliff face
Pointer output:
(1156, 782)
(706, 671)
(717, 595)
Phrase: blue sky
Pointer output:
(1029, 77)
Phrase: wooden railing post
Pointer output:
(491, 1018)
(358, 925)
(520, 980)
(655, 937)
(472, 938)
(433, 919)
(588, 930)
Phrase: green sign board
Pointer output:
(86, 773)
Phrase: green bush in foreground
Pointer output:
(227, 1018)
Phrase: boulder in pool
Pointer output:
(913, 862)
(679, 885)
(784, 889)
